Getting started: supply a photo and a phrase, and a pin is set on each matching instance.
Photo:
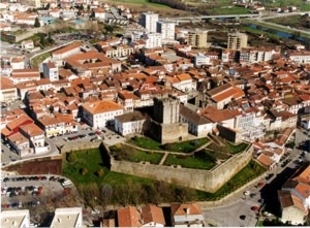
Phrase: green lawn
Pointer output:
(185, 146)
(92, 160)
(39, 59)
(145, 142)
(234, 149)
(126, 153)
(138, 156)
(219, 155)
(229, 148)
(201, 160)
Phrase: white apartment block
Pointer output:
(99, 114)
(301, 57)
(136, 35)
(253, 55)
(167, 29)
(129, 123)
(50, 70)
(149, 21)
(153, 40)
(201, 60)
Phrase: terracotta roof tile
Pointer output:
(128, 217)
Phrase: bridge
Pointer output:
(260, 16)
(205, 17)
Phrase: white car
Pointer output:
(246, 193)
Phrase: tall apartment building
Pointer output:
(149, 21)
(50, 70)
(197, 38)
(153, 40)
(167, 29)
(237, 40)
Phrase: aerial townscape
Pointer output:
(155, 113)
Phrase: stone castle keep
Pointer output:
(165, 126)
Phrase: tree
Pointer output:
(105, 195)
(92, 15)
(37, 23)
(71, 157)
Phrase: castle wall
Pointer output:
(205, 180)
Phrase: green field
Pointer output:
(300, 4)
(127, 153)
(201, 160)
(228, 10)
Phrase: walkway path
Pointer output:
(170, 152)
(163, 159)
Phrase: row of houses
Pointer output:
(182, 215)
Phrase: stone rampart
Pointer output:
(205, 180)
(76, 146)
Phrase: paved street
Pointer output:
(228, 213)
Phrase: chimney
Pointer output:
(187, 210)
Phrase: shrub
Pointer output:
(71, 157)
(83, 171)
(100, 172)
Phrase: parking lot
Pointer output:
(87, 134)
(20, 191)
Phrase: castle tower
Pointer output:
(166, 110)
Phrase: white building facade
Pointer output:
(167, 29)
(149, 21)
(153, 40)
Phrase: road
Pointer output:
(228, 213)
(279, 15)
